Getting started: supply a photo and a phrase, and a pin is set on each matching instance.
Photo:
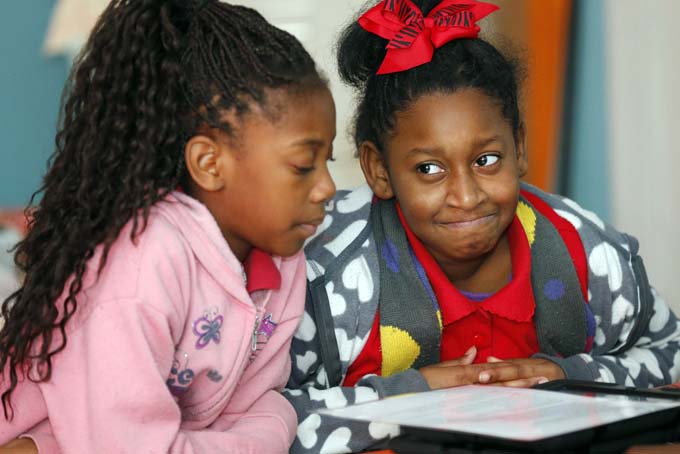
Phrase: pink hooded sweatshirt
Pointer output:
(168, 352)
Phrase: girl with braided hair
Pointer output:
(164, 276)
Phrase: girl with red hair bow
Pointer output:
(446, 269)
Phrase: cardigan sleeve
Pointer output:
(308, 390)
(637, 336)
(653, 359)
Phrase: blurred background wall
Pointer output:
(30, 87)
(601, 101)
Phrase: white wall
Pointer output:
(643, 52)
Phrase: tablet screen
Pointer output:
(517, 414)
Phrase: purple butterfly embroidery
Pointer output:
(207, 328)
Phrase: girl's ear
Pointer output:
(521, 150)
(375, 170)
(202, 155)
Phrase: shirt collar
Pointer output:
(261, 272)
(515, 301)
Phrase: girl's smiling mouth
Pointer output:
(467, 223)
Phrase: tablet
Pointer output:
(479, 418)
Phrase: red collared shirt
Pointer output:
(261, 272)
(500, 325)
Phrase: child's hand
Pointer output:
(19, 446)
(454, 372)
(519, 373)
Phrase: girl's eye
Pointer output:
(303, 170)
(487, 160)
(429, 168)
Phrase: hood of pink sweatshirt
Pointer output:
(167, 347)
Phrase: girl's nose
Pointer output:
(464, 192)
(325, 186)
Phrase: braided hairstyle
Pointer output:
(151, 73)
(459, 64)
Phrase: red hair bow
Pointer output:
(413, 37)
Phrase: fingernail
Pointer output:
(484, 377)
(470, 351)
(542, 380)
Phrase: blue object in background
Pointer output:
(30, 90)
(584, 166)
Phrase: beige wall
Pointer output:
(643, 58)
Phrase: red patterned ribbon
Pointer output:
(412, 37)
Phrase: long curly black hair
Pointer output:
(151, 73)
